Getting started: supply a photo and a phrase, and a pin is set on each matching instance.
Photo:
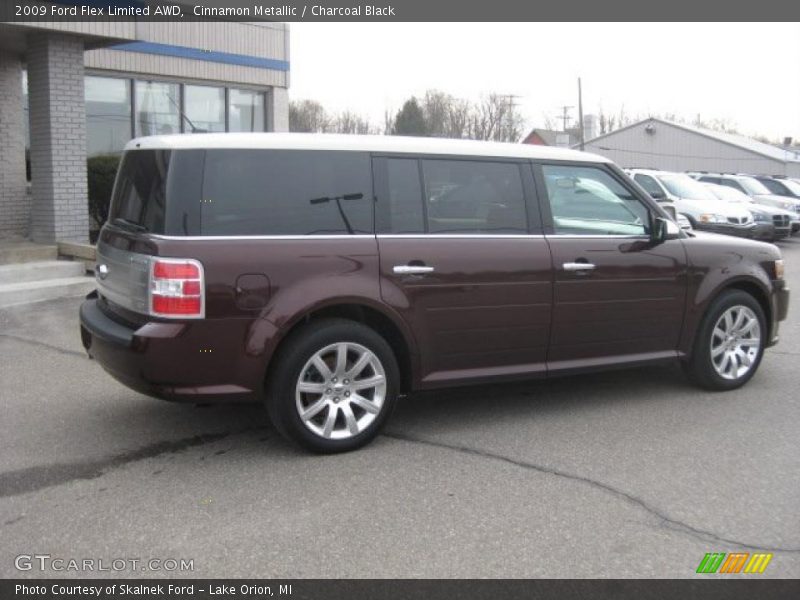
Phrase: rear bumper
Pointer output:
(172, 361)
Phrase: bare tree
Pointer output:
(436, 107)
(445, 115)
(308, 116)
(349, 122)
(723, 125)
(495, 117)
(458, 119)
(388, 121)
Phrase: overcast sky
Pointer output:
(748, 74)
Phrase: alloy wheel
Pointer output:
(735, 342)
(340, 391)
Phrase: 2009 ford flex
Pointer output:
(326, 275)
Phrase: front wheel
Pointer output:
(334, 386)
(729, 343)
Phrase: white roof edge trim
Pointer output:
(359, 143)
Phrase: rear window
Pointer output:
(140, 193)
(244, 192)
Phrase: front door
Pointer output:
(617, 297)
(458, 263)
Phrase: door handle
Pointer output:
(578, 266)
(411, 269)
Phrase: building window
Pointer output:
(108, 114)
(245, 110)
(157, 108)
(204, 108)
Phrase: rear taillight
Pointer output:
(177, 288)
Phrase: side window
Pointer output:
(405, 196)
(469, 196)
(773, 186)
(649, 184)
(589, 201)
(286, 192)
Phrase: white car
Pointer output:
(756, 190)
(703, 210)
(774, 223)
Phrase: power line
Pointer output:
(564, 116)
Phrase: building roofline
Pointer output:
(701, 132)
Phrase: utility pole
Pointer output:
(565, 117)
(508, 126)
(580, 112)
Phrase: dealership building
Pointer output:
(72, 90)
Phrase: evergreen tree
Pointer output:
(410, 120)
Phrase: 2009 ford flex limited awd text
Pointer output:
(326, 275)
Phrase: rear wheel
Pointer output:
(730, 342)
(334, 386)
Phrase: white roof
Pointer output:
(359, 143)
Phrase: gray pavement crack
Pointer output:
(668, 521)
(39, 344)
(31, 479)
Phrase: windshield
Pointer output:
(684, 186)
(753, 186)
(793, 186)
(727, 194)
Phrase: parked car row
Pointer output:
(761, 208)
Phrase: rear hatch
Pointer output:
(139, 209)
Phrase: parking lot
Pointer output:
(622, 474)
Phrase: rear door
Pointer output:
(618, 297)
(462, 259)
(139, 209)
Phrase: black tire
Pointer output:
(296, 352)
(700, 367)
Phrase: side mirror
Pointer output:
(663, 230)
(658, 195)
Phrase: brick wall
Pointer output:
(58, 138)
(14, 200)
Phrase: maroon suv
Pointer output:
(326, 275)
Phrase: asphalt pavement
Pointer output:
(625, 474)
